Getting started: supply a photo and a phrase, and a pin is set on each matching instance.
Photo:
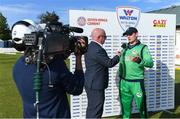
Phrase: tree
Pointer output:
(5, 33)
(48, 17)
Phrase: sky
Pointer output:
(15, 10)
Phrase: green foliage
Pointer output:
(5, 33)
(48, 17)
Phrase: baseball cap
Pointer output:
(130, 31)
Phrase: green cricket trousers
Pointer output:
(129, 89)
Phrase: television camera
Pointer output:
(41, 43)
(51, 38)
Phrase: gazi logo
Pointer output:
(128, 17)
(159, 23)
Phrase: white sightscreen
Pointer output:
(159, 80)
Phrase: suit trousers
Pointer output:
(96, 99)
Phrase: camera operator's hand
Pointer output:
(78, 53)
(81, 44)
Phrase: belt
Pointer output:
(132, 80)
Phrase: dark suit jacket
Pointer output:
(97, 63)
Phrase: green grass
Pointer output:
(10, 101)
(11, 105)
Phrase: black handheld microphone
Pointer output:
(124, 45)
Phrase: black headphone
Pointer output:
(20, 47)
(21, 22)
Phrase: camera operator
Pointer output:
(53, 98)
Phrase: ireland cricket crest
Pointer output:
(128, 17)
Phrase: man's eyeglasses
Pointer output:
(103, 36)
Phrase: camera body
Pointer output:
(52, 38)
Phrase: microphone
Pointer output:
(124, 45)
(73, 29)
(76, 29)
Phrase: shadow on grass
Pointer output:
(176, 111)
(173, 113)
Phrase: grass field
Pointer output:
(10, 101)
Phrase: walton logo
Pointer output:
(128, 12)
(128, 17)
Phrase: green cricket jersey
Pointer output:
(131, 70)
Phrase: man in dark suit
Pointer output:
(96, 75)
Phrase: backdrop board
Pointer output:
(155, 30)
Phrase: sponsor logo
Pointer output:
(82, 21)
(139, 94)
(159, 23)
(134, 52)
(128, 12)
(127, 17)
